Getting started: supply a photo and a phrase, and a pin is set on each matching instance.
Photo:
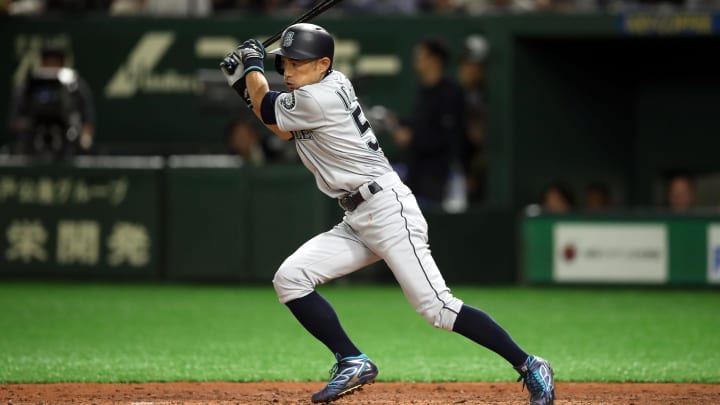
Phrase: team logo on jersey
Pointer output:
(288, 40)
(287, 100)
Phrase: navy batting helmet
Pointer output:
(304, 41)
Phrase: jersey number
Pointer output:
(358, 118)
(363, 126)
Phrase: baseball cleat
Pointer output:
(346, 376)
(538, 376)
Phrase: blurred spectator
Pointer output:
(557, 199)
(165, 8)
(597, 197)
(178, 8)
(681, 192)
(265, 6)
(243, 140)
(435, 127)
(471, 75)
(443, 6)
(53, 111)
(493, 6)
(25, 7)
(476, 7)
(256, 147)
(126, 7)
(643, 5)
(368, 6)
(76, 6)
(382, 6)
(29, 7)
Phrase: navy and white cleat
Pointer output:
(346, 376)
(539, 377)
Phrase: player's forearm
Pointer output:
(257, 87)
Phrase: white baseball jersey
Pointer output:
(333, 138)
(336, 143)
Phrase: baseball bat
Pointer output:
(318, 9)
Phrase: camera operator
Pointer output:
(52, 112)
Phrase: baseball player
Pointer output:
(382, 220)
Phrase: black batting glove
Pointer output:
(252, 54)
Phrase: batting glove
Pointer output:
(233, 68)
(234, 71)
(252, 53)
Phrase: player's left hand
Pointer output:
(234, 72)
(232, 68)
(252, 53)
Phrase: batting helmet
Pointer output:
(304, 41)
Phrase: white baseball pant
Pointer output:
(388, 225)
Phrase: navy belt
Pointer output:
(350, 201)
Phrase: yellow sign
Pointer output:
(78, 243)
(643, 24)
(48, 191)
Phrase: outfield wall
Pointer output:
(199, 219)
(211, 219)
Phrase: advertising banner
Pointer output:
(78, 221)
(713, 275)
(612, 253)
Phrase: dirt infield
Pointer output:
(379, 393)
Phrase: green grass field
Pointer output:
(135, 333)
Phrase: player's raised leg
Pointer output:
(323, 258)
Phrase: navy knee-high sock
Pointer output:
(320, 319)
(479, 327)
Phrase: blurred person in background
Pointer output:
(382, 6)
(126, 7)
(243, 140)
(165, 8)
(471, 75)
(76, 6)
(557, 199)
(52, 111)
(369, 6)
(597, 197)
(30, 7)
(263, 6)
(24, 7)
(436, 125)
(646, 5)
(681, 192)
(178, 8)
(442, 6)
(476, 7)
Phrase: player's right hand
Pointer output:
(232, 68)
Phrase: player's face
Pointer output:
(299, 73)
